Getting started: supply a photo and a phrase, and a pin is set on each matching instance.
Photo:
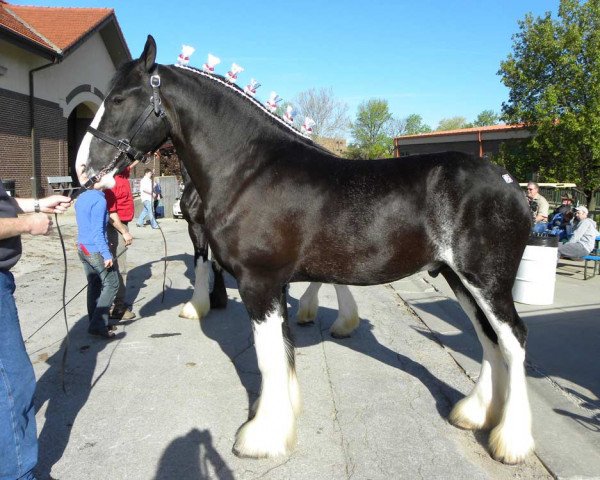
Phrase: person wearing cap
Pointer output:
(584, 236)
(561, 219)
(539, 207)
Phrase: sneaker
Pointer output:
(121, 314)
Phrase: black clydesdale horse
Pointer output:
(279, 209)
(209, 285)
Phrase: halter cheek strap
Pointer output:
(124, 145)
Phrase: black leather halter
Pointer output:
(124, 145)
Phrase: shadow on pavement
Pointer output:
(560, 345)
(192, 457)
(62, 409)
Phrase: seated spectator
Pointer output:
(584, 237)
(539, 207)
(561, 220)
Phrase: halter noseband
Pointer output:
(124, 145)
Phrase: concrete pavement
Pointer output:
(165, 400)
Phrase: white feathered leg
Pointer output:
(199, 304)
(347, 319)
(511, 439)
(482, 407)
(309, 304)
(272, 430)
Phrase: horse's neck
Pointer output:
(221, 138)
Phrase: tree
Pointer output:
(415, 125)
(453, 123)
(486, 118)
(330, 115)
(371, 131)
(553, 76)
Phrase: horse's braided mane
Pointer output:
(237, 89)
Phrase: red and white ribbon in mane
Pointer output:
(184, 56)
(272, 102)
(306, 127)
(232, 74)
(288, 116)
(250, 89)
(210, 64)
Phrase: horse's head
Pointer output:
(130, 122)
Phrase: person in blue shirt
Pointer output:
(92, 246)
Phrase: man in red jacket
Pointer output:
(119, 201)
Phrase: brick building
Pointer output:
(477, 141)
(55, 65)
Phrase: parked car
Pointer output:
(177, 209)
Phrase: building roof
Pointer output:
(54, 29)
(465, 131)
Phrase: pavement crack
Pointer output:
(349, 464)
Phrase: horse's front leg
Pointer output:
(272, 430)
(347, 319)
(308, 304)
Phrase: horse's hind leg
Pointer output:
(511, 439)
(481, 408)
(218, 295)
(199, 305)
(347, 319)
(272, 430)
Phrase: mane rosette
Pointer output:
(239, 91)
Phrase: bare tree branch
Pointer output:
(329, 114)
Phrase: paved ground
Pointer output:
(165, 400)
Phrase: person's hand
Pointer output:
(128, 238)
(55, 204)
(39, 224)
(108, 263)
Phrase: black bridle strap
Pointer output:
(124, 145)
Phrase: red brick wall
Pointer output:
(15, 141)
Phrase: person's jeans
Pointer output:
(147, 211)
(117, 246)
(102, 289)
(18, 440)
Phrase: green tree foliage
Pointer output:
(453, 123)
(486, 118)
(371, 131)
(414, 125)
(553, 76)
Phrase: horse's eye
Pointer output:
(118, 100)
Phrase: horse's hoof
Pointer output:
(307, 323)
(218, 302)
(343, 327)
(255, 439)
(191, 312)
(510, 449)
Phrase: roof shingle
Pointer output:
(56, 28)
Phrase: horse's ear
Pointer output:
(148, 56)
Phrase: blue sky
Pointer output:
(438, 59)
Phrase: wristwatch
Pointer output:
(36, 205)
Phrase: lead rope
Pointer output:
(63, 362)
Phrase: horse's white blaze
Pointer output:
(272, 431)
(347, 319)
(309, 304)
(83, 154)
(511, 440)
(199, 304)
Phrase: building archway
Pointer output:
(79, 119)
